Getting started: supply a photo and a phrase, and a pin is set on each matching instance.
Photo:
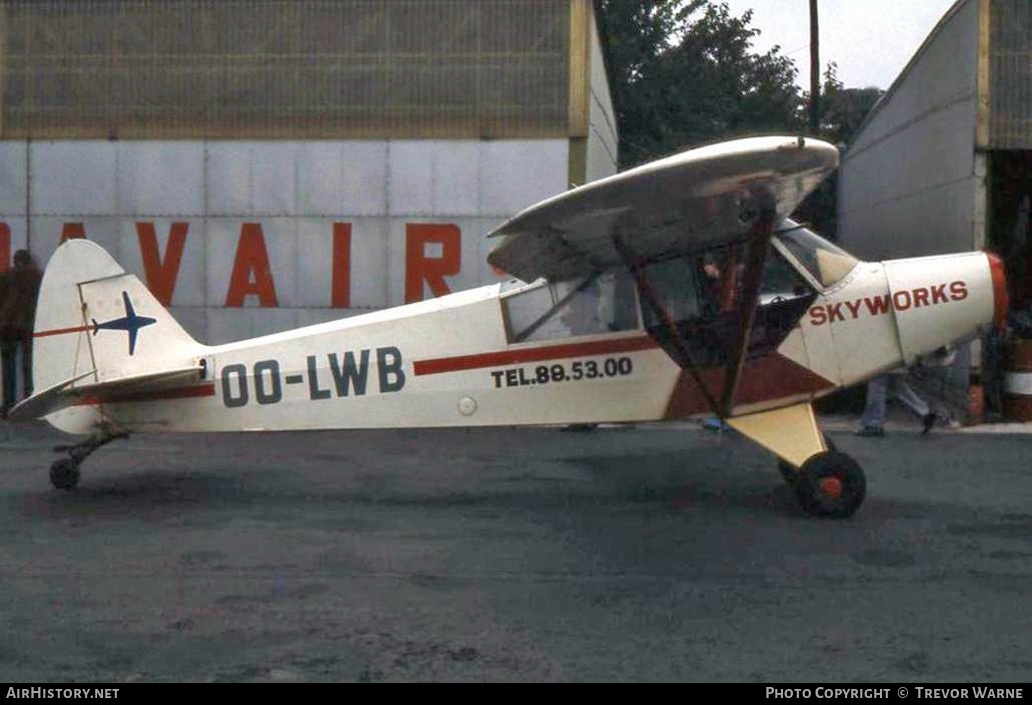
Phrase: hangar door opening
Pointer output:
(1010, 225)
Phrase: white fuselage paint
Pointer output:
(446, 362)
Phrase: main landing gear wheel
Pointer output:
(789, 471)
(830, 484)
(64, 474)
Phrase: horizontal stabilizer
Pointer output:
(42, 403)
(67, 393)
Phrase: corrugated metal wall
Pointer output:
(1010, 71)
(908, 183)
(602, 157)
(284, 68)
(359, 149)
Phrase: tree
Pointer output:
(685, 74)
(844, 109)
(842, 112)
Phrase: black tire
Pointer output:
(64, 474)
(790, 472)
(830, 484)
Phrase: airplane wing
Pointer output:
(67, 393)
(697, 199)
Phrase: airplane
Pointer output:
(677, 289)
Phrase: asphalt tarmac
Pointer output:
(656, 553)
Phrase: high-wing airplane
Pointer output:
(676, 289)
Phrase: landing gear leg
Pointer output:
(791, 472)
(64, 472)
(826, 482)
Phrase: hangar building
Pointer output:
(265, 164)
(943, 163)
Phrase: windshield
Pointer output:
(827, 263)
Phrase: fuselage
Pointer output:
(467, 359)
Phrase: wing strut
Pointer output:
(648, 294)
(759, 240)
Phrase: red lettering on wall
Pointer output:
(341, 291)
(71, 231)
(432, 270)
(251, 257)
(5, 247)
(939, 294)
(161, 274)
(901, 300)
(958, 291)
(921, 298)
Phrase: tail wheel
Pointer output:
(830, 484)
(790, 472)
(64, 474)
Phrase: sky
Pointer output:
(870, 40)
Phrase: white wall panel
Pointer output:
(194, 321)
(456, 178)
(296, 191)
(517, 173)
(226, 325)
(190, 281)
(470, 274)
(484, 246)
(274, 170)
(73, 177)
(320, 188)
(228, 178)
(315, 316)
(18, 227)
(368, 262)
(410, 178)
(45, 234)
(363, 179)
(280, 238)
(13, 162)
(160, 178)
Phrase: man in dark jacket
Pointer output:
(19, 288)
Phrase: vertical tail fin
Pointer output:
(94, 317)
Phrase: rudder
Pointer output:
(93, 316)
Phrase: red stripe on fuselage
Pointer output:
(542, 354)
(203, 390)
(60, 331)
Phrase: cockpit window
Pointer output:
(594, 304)
(700, 296)
(827, 263)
